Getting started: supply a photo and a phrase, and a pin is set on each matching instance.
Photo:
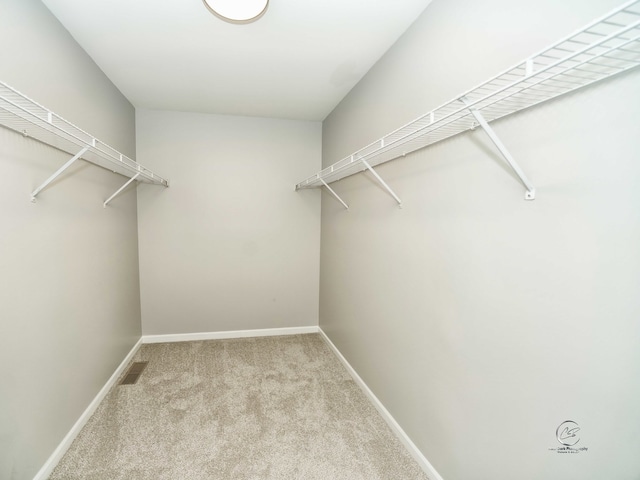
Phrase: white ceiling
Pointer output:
(298, 61)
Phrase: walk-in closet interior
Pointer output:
(412, 230)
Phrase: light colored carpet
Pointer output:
(241, 409)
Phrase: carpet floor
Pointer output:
(240, 409)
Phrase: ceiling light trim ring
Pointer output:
(235, 11)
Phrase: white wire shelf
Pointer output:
(606, 47)
(18, 112)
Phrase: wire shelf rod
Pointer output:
(592, 54)
(24, 115)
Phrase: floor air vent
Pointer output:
(133, 373)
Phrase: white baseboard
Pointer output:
(263, 332)
(395, 427)
(62, 448)
(59, 452)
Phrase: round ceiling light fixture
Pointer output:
(237, 11)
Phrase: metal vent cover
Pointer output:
(133, 374)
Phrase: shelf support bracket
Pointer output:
(57, 173)
(382, 182)
(334, 194)
(531, 190)
(120, 190)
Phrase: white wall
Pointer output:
(481, 320)
(229, 245)
(69, 288)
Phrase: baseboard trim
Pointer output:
(263, 332)
(66, 442)
(395, 427)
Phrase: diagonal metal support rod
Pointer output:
(57, 173)
(531, 190)
(382, 182)
(334, 194)
(120, 190)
